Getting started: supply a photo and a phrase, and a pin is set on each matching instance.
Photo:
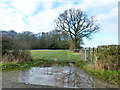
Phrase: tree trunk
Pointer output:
(76, 46)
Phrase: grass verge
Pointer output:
(108, 76)
(28, 64)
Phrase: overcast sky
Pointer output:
(38, 16)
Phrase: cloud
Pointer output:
(109, 22)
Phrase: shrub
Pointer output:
(17, 56)
(108, 57)
(25, 55)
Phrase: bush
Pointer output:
(108, 57)
(17, 56)
(25, 55)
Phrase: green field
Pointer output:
(57, 55)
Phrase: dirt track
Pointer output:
(9, 84)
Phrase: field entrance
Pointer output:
(55, 75)
(59, 55)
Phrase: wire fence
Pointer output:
(67, 55)
(103, 56)
(70, 55)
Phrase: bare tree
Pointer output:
(77, 24)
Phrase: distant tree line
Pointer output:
(12, 40)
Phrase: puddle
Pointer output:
(56, 76)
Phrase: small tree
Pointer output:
(77, 24)
(7, 44)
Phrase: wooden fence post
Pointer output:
(93, 55)
(97, 56)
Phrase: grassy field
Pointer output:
(57, 55)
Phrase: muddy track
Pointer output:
(9, 84)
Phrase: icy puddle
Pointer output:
(56, 76)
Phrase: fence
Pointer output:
(105, 56)
(91, 55)
(67, 55)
